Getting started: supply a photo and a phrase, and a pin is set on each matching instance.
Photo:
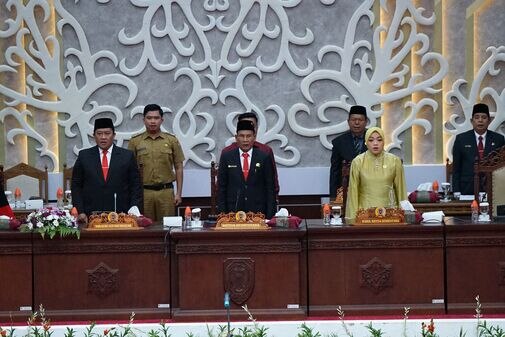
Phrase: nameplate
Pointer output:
(112, 221)
(241, 220)
(380, 216)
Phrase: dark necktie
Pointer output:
(357, 145)
(105, 165)
(245, 167)
(480, 147)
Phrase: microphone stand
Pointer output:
(227, 307)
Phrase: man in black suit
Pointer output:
(246, 176)
(347, 146)
(471, 146)
(105, 177)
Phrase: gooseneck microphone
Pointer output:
(236, 200)
(226, 300)
(227, 307)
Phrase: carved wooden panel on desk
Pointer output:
(16, 275)
(263, 269)
(104, 275)
(475, 266)
(372, 270)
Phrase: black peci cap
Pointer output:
(103, 123)
(480, 108)
(358, 110)
(245, 125)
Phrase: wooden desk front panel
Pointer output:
(104, 275)
(475, 266)
(16, 275)
(277, 273)
(375, 270)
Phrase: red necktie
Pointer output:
(480, 147)
(245, 166)
(105, 165)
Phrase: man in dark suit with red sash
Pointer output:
(246, 176)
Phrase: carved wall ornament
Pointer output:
(103, 280)
(239, 278)
(376, 275)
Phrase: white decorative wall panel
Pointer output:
(298, 64)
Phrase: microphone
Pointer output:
(236, 201)
(226, 300)
(227, 307)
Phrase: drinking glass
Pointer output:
(446, 187)
(336, 213)
(484, 210)
(10, 197)
(68, 198)
(196, 214)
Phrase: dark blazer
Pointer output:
(236, 194)
(464, 155)
(90, 192)
(343, 149)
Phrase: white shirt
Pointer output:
(242, 158)
(483, 138)
(109, 151)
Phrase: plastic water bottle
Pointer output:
(187, 218)
(326, 214)
(475, 211)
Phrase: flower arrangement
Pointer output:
(51, 221)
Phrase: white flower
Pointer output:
(30, 226)
(39, 224)
(55, 223)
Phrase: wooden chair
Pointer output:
(213, 187)
(346, 169)
(490, 173)
(448, 170)
(23, 169)
(67, 177)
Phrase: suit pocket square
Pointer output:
(232, 166)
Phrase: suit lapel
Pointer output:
(252, 163)
(236, 160)
(114, 162)
(97, 162)
(489, 143)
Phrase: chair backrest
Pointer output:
(23, 169)
(448, 171)
(213, 187)
(67, 177)
(490, 174)
(346, 169)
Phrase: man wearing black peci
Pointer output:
(246, 176)
(105, 177)
(473, 145)
(347, 146)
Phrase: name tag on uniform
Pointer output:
(468, 145)
(232, 166)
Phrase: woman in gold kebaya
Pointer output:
(376, 178)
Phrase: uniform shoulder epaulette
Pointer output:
(137, 136)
